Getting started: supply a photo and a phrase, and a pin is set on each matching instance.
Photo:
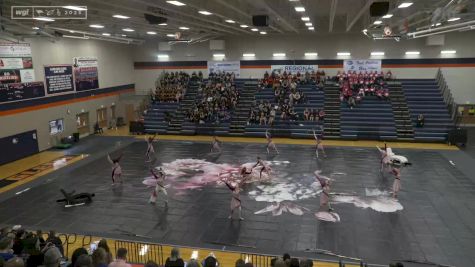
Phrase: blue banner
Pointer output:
(59, 79)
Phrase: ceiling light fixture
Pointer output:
(278, 54)
(305, 18)
(263, 32)
(219, 55)
(176, 3)
(170, 35)
(377, 53)
(152, 33)
(311, 54)
(162, 24)
(43, 19)
(106, 34)
(445, 52)
(248, 55)
(413, 53)
(405, 4)
(35, 28)
(311, 28)
(204, 12)
(377, 22)
(453, 19)
(184, 28)
(78, 8)
(97, 26)
(123, 35)
(343, 54)
(121, 17)
(309, 24)
(162, 56)
(387, 16)
(299, 9)
(128, 30)
(76, 37)
(254, 30)
(230, 21)
(244, 26)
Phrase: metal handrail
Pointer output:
(446, 95)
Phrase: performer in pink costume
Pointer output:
(216, 145)
(319, 145)
(325, 194)
(264, 167)
(150, 149)
(270, 143)
(236, 198)
(159, 187)
(397, 180)
(116, 169)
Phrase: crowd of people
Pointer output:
(219, 97)
(171, 87)
(286, 96)
(355, 86)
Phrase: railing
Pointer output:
(141, 253)
(447, 95)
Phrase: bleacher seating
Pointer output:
(371, 119)
(424, 97)
(154, 120)
(295, 129)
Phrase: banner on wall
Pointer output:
(59, 79)
(294, 68)
(85, 73)
(362, 65)
(11, 63)
(15, 50)
(225, 66)
(21, 91)
(10, 76)
(27, 75)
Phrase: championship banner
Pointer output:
(225, 66)
(11, 63)
(293, 69)
(10, 76)
(362, 65)
(15, 50)
(85, 73)
(21, 91)
(59, 79)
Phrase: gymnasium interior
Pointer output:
(247, 133)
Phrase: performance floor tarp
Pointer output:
(433, 219)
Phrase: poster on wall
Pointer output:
(11, 63)
(225, 66)
(86, 76)
(362, 65)
(59, 79)
(27, 75)
(56, 126)
(10, 76)
(294, 68)
(21, 91)
(15, 50)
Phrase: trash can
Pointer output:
(76, 137)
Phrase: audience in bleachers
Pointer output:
(420, 120)
(355, 86)
(171, 87)
(219, 97)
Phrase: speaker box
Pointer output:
(378, 9)
(154, 19)
(260, 20)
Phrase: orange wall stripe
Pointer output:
(64, 102)
(428, 65)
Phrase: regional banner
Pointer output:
(225, 66)
(86, 76)
(10, 76)
(59, 79)
(21, 91)
(362, 65)
(294, 69)
(15, 50)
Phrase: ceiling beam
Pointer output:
(123, 7)
(243, 13)
(332, 14)
(219, 26)
(360, 13)
(273, 13)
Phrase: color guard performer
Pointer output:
(270, 143)
(116, 169)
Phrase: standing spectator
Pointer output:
(84, 261)
(18, 242)
(121, 259)
(52, 238)
(174, 260)
(103, 244)
(6, 251)
(42, 241)
(210, 261)
(76, 253)
(239, 263)
(294, 262)
(100, 258)
(52, 255)
(193, 263)
(420, 120)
